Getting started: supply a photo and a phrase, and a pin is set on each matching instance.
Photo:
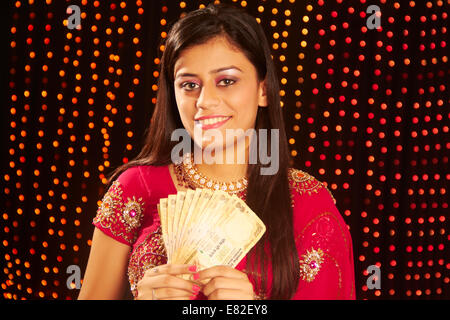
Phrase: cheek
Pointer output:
(245, 105)
(186, 109)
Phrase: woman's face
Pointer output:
(217, 87)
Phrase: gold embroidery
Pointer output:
(324, 214)
(122, 219)
(302, 182)
(149, 253)
(132, 214)
(310, 264)
(324, 239)
(111, 200)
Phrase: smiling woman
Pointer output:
(226, 93)
(217, 74)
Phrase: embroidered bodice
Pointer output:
(128, 213)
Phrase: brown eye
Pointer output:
(189, 86)
(227, 82)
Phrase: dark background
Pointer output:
(367, 113)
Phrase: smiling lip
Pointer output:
(211, 122)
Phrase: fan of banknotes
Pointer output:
(207, 228)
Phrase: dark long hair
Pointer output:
(274, 208)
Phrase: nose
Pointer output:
(208, 97)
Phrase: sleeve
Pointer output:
(325, 250)
(121, 210)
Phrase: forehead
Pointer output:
(214, 54)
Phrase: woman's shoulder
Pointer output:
(316, 216)
(142, 176)
(130, 202)
(304, 184)
(312, 201)
(147, 182)
(131, 174)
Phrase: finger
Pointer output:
(229, 294)
(220, 271)
(227, 283)
(166, 281)
(173, 294)
(170, 281)
(174, 269)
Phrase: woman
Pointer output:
(217, 73)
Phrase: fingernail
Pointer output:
(196, 288)
(193, 297)
(196, 276)
(192, 268)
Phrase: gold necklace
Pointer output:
(188, 174)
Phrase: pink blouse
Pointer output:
(128, 214)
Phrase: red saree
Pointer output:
(128, 214)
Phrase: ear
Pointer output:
(262, 94)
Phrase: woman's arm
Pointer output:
(325, 249)
(105, 276)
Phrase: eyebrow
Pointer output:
(185, 74)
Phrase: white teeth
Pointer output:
(212, 120)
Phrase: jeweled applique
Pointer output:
(120, 217)
(310, 264)
(132, 213)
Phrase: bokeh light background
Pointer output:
(367, 113)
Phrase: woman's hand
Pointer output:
(163, 283)
(225, 283)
